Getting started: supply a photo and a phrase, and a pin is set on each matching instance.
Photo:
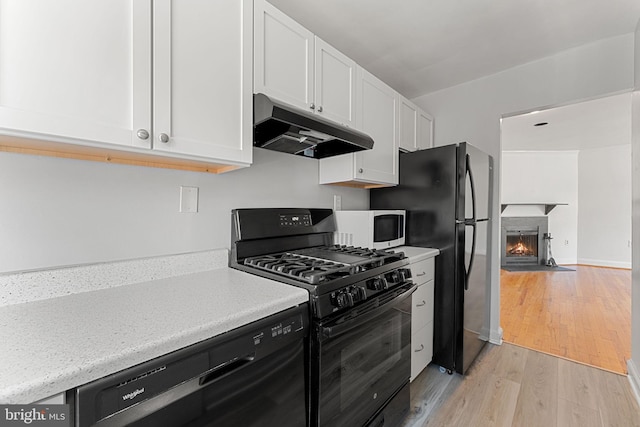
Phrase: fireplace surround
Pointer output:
(523, 240)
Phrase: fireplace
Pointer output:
(523, 240)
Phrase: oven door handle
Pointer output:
(334, 331)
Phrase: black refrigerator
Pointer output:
(447, 194)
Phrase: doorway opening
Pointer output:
(582, 160)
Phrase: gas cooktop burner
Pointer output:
(323, 264)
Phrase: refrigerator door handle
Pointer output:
(473, 188)
(470, 222)
(467, 273)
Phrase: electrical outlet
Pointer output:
(566, 243)
(337, 202)
(188, 199)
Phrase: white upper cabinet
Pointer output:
(377, 115)
(335, 84)
(154, 80)
(425, 131)
(416, 127)
(76, 69)
(408, 125)
(203, 104)
(295, 67)
(283, 57)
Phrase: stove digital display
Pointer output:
(295, 220)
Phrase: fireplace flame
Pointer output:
(519, 249)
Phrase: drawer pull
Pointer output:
(421, 348)
(421, 274)
(423, 303)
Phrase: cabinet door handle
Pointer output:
(421, 274)
(320, 109)
(163, 137)
(312, 106)
(360, 170)
(142, 134)
(420, 349)
(421, 304)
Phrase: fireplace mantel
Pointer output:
(547, 206)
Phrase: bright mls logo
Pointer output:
(36, 415)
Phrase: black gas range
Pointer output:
(295, 246)
(359, 345)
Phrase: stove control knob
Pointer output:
(393, 277)
(405, 274)
(378, 284)
(359, 294)
(344, 299)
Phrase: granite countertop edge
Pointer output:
(415, 253)
(53, 345)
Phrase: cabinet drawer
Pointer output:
(422, 271)
(421, 349)
(422, 310)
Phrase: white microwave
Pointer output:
(376, 229)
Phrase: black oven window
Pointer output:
(369, 358)
(387, 227)
(361, 364)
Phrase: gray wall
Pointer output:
(604, 206)
(57, 212)
(472, 111)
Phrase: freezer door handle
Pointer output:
(473, 190)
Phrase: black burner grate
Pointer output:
(323, 264)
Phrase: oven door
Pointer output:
(360, 359)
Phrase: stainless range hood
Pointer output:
(281, 127)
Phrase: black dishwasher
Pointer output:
(251, 376)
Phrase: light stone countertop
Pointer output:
(49, 346)
(417, 254)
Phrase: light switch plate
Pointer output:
(337, 202)
(188, 199)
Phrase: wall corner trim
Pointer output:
(495, 336)
(634, 378)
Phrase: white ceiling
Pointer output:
(591, 124)
(420, 46)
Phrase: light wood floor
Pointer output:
(582, 315)
(509, 385)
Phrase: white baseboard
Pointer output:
(495, 336)
(634, 379)
(565, 261)
(604, 263)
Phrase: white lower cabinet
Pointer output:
(422, 312)
(421, 328)
(422, 265)
(421, 349)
